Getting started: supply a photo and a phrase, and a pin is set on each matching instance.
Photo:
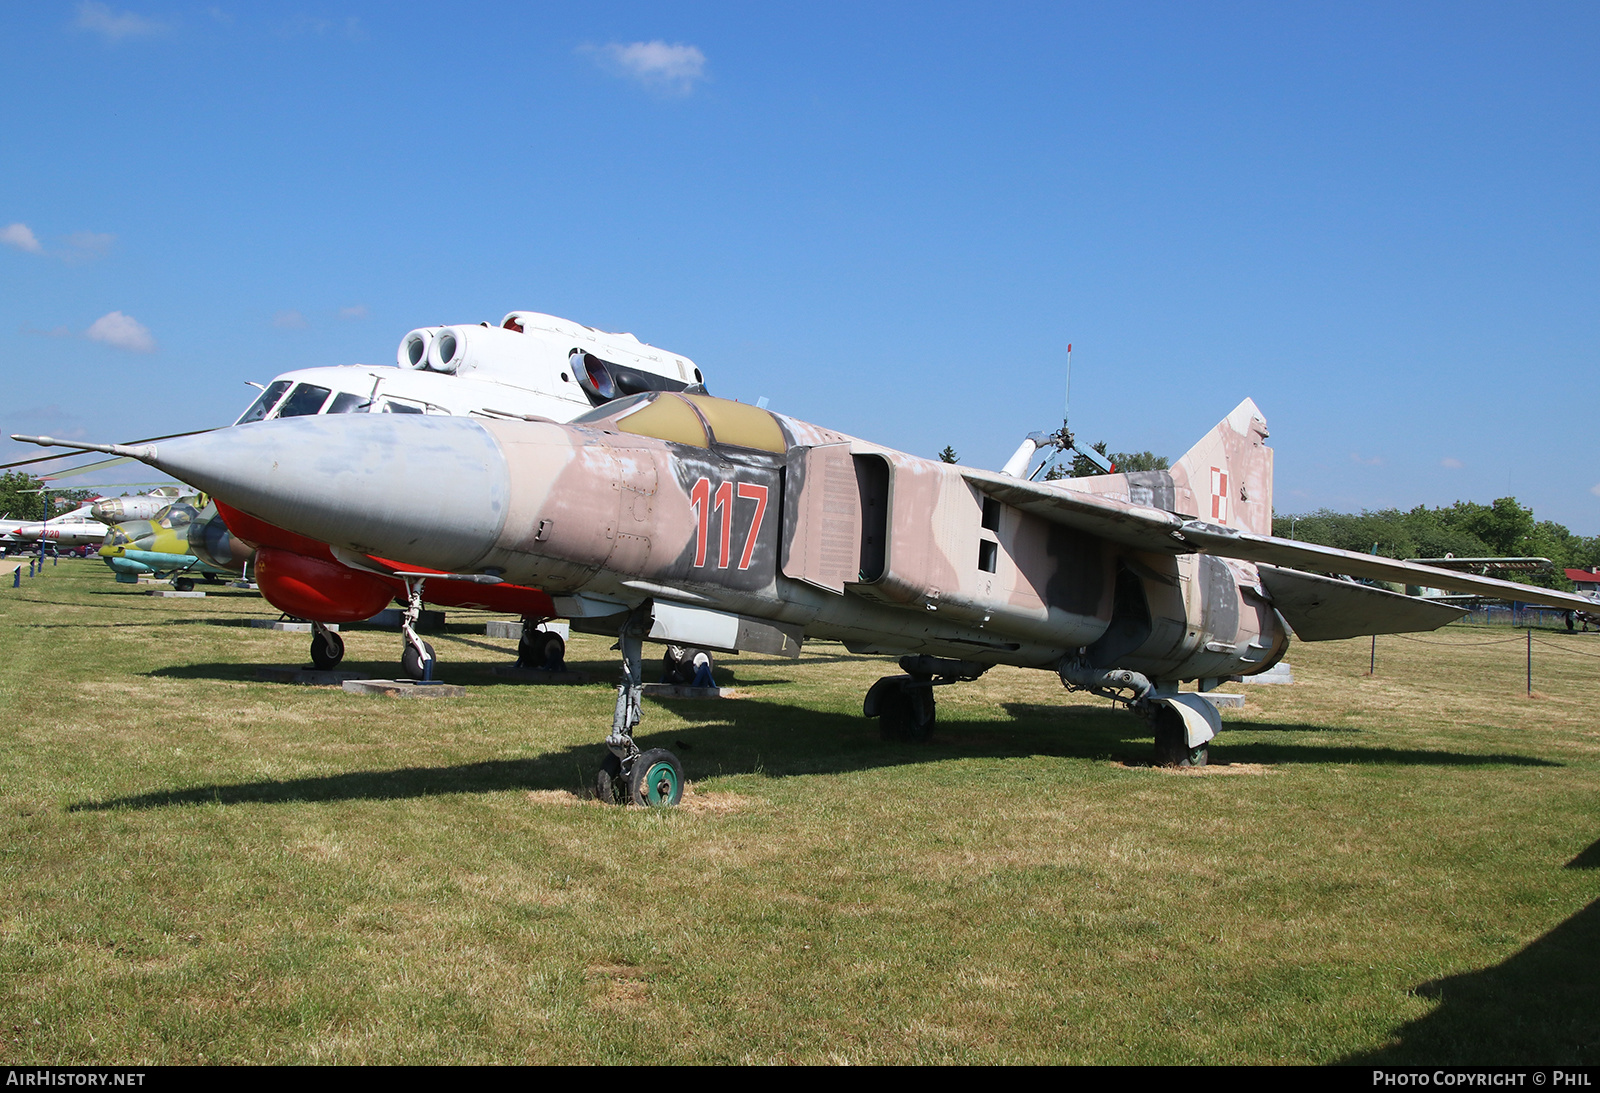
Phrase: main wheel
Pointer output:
(1172, 741)
(657, 779)
(411, 664)
(906, 714)
(327, 649)
(680, 664)
(608, 785)
(184, 584)
(541, 649)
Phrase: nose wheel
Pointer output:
(417, 661)
(656, 780)
(327, 647)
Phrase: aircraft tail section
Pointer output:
(1229, 472)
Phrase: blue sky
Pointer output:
(1380, 221)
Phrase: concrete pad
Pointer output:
(673, 690)
(513, 630)
(1219, 699)
(287, 625)
(309, 677)
(174, 594)
(403, 688)
(1278, 673)
(537, 675)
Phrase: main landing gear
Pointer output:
(904, 705)
(1182, 722)
(541, 649)
(628, 775)
(687, 666)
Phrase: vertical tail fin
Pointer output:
(1230, 472)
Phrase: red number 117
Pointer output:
(704, 504)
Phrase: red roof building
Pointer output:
(1587, 580)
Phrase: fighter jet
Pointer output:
(719, 524)
(145, 506)
(75, 528)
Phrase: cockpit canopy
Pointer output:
(699, 421)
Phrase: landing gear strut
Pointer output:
(327, 647)
(416, 659)
(653, 778)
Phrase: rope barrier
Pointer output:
(1456, 644)
(1564, 649)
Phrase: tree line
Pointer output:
(24, 497)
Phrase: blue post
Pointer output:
(16, 576)
(30, 567)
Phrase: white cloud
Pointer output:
(1595, 489)
(1452, 462)
(87, 246)
(1374, 461)
(290, 320)
(122, 331)
(99, 18)
(21, 237)
(657, 65)
(358, 311)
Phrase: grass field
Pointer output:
(200, 867)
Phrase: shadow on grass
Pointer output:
(746, 736)
(1539, 1008)
(1224, 750)
(1589, 858)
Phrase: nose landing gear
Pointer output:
(327, 647)
(627, 775)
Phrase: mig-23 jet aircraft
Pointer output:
(678, 516)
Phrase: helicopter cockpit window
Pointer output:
(392, 406)
(348, 402)
(305, 400)
(263, 405)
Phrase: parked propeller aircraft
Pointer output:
(683, 517)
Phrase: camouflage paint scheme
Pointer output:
(596, 510)
(187, 536)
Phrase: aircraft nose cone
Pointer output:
(430, 491)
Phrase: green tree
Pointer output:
(1125, 462)
(949, 455)
(19, 496)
